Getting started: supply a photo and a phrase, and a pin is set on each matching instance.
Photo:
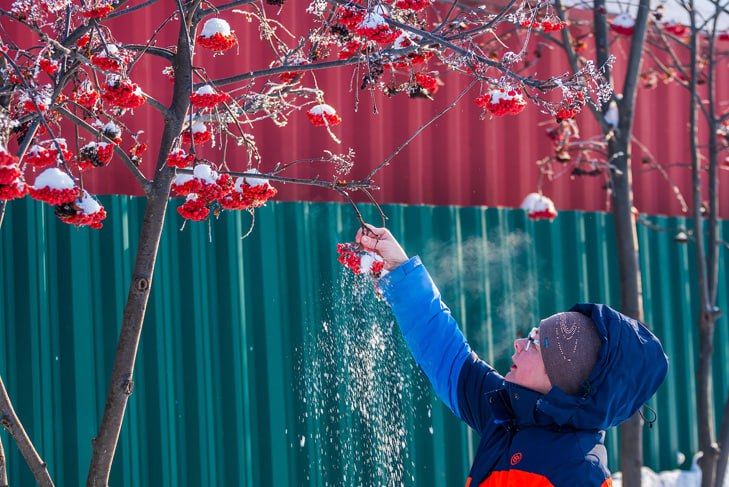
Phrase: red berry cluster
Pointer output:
(81, 219)
(6, 159)
(218, 42)
(107, 63)
(426, 82)
(501, 102)
(324, 118)
(73, 213)
(179, 158)
(547, 214)
(248, 196)
(54, 196)
(570, 107)
(382, 33)
(207, 100)
(123, 94)
(350, 255)
(87, 97)
(12, 185)
(415, 5)
(349, 49)
(214, 191)
(411, 59)
(46, 153)
(83, 41)
(200, 137)
(351, 17)
(9, 171)
(95, 154)
(194, 208)
(48, 65)
(14, 190)
(546, 25)
(9, 174)
(202, 194)
(185, 185)
(675, 28)
(97, 12)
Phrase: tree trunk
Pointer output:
(631, 299)
(3, 467)
(723, 447)
(11, 423)
(121, 384)
(705, 394)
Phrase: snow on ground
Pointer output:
(672, 10)
(669, 478)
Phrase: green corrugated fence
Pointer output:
(263, 362)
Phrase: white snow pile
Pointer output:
(367, 260)
(535, 202)
(251, 181)
(669, 478)
(88, 204)
(498, 95)
(215, 26)
(205, 173)
(322, 109)
(199, 127)
(54, 178)
(612, 116)
(181, 179)
(372, 20)
(205, 90)
(624, 19)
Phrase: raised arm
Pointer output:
(431, 333)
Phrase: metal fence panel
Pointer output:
(250, 361)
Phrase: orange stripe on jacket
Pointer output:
(514, 478)
(519, 478)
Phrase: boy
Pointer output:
(574, 376)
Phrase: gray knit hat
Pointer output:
(569, 344)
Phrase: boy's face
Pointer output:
(527, 369)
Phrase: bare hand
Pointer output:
(381, 241)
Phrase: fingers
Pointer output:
(381, 241)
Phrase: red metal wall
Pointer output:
(458, 160)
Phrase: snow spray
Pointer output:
(359, 384)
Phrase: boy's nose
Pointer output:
(518, 344)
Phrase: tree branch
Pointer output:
(11, 423)
(141, 179)
(226, 6)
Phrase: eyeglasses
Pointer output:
(531, 338)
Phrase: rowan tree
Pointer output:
(70, 88)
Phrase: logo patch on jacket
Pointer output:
(515, 458)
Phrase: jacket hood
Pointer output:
(630, 367)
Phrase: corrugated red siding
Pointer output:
(459, 160)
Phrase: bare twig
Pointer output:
(420, 129)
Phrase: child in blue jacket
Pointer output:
(574, 376)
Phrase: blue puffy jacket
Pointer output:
(528, 439)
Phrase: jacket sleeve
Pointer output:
(477, 379)
(431, 333)
(434, 339)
